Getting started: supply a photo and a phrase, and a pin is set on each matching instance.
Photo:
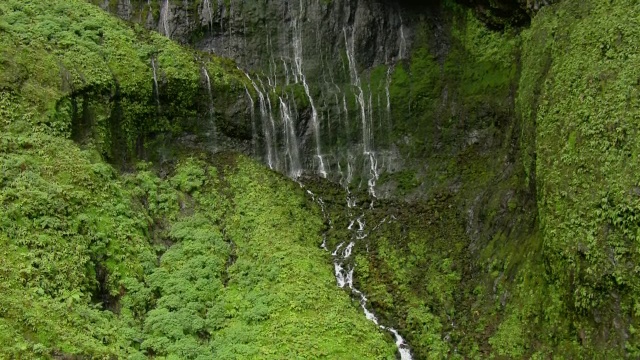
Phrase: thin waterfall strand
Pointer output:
(264, 117)
(295, 170)
(297, 51)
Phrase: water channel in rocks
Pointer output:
(342, 255)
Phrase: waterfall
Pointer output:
(273, 77)
(374, 173)
(286, 72)
(185, 4)
(155, 82)
(254, 132)
(229, 28)
(367, 134)
(297, 52)
(344, 272)
(164, 19)
(271, 123)
(304, 62)
(402, 52)
(355, 81)
(264, 115)
(207, 12)
(387, 92)
(210, 93)
(128, 8)
(221, 7)
(295, 170)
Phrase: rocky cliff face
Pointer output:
(334, 81)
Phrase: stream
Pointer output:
(344, 271)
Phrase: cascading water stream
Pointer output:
(156, 89)
(164, 19)
(299, 75)
(295, 170)
(210, 93)
(367, 135)
(264, 115)
(344, 272)
(359, 233)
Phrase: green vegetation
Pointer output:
(195, 258)
(541, 259)
(99, 72)
(586, 166)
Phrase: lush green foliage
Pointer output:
(586, 166)
(240, 273)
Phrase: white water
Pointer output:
(208, 81)
(155, 81)
(164, 19)
(210, 93)
(207, 12)
(254, 132)
(286, 72)
(374, 173)
(355, 81)
(299, 75)
(264, 117)
(272, 130)
(387, 92)
(402, 51)
(291, 141)
(367, 134)
(185, 4)
(344, 273)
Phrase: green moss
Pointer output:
(579, 91)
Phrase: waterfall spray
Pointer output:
(155, 82)
(295, 170)
(367, 134)
(164, 19)
(264, 117)
(210, 93)
(297, 52)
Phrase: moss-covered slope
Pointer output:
(580, 91)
